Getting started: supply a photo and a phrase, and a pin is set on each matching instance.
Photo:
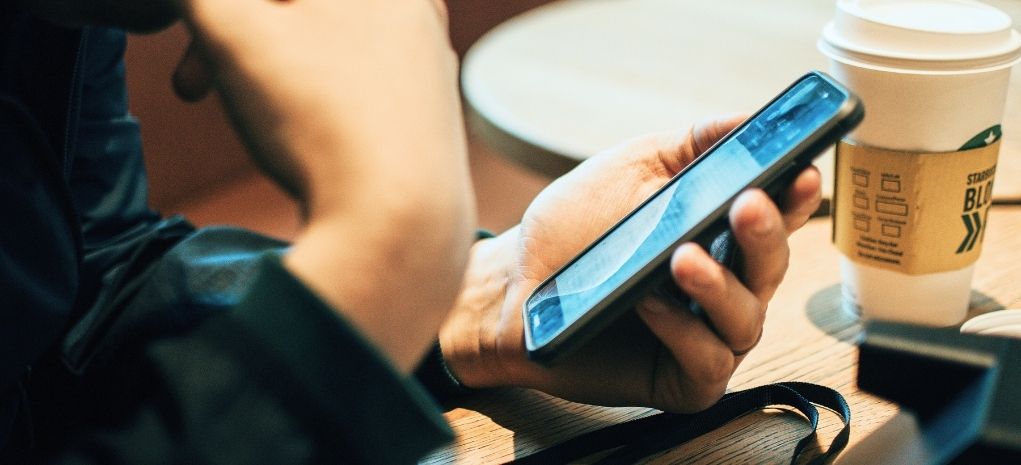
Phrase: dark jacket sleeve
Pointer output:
(38, 244)
(281, 379)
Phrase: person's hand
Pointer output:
(667, 358)
(353, 107)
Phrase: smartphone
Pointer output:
(632, 258)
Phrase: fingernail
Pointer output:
(698, 272)
(764, 225)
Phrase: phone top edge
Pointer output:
(852, 110)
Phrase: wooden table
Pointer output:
(807, 337)
(556, 85)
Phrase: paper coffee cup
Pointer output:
(933, 75)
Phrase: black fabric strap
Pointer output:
(637, 439)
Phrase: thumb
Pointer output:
(676, 150)
(706, 133)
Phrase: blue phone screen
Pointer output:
(691, 197)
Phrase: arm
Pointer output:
(380, 167)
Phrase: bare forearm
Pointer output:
(353, 106)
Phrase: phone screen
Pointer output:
(656, 227)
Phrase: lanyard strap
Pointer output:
(640, 438)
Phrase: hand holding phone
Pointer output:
(630, 259)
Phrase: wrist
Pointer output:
(471, 338)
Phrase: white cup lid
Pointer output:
(927, 34)
(1005, 323)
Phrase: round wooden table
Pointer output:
(555, 85)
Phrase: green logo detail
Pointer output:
(983, 138)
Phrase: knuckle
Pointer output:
(715, 371)
(704, 398)
(696, 386)
(749, 338)
(746, 342)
